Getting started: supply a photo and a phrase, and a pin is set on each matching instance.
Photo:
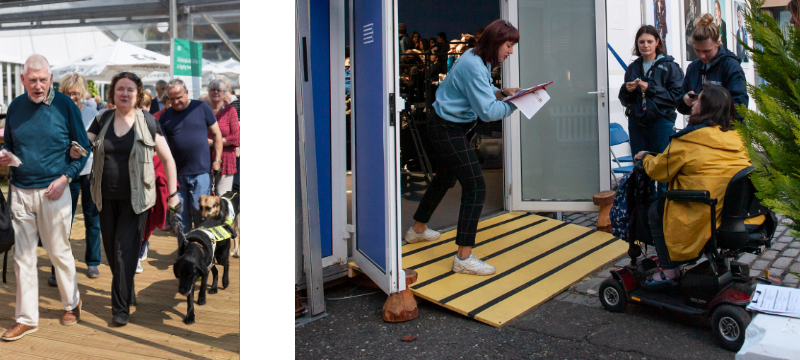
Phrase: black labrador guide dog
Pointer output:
(200, 251)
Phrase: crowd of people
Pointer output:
(424, 63)
(135, 160)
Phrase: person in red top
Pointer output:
(157, 215)
(165, 100)
(228, 121)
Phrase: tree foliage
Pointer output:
(92, 88)
(772, 133)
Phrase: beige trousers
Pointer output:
(224, 183)
(36, 216)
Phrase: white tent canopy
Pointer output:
(57, 46)
(229, 70)
(120, 56)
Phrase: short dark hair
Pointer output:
(495, 35)
(136, 80)
(716, 108)
(401, 28)
(442, 35)
(479, 32)
(648, 29)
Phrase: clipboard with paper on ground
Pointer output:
(530, 100)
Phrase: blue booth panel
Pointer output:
(319, 59)
(370, 165)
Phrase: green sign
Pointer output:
(188, 59)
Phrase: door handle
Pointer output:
(601, 92)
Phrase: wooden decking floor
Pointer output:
(155, 330)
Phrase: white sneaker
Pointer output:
(472, 266)
(139, 269)
(427, 235)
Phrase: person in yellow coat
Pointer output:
(703, 156)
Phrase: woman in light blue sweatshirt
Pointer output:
(465, 94)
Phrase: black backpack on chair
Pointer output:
(6, 229)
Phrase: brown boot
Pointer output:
(71, 317)
(18, 331)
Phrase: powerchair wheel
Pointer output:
(612, 295)
(729, 323)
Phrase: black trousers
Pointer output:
(456, 161)
(122, 231)
(655, 216)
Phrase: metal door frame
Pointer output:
(511, 137)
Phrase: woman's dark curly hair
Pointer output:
(716, 108)
(132, 77)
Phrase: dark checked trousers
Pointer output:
(457, 161)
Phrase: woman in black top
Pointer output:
(652, 85)
(122, 211)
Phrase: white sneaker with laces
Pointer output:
(139, 267)
(472, 266)
(427, 235)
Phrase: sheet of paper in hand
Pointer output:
(530, 100)
(14, 159)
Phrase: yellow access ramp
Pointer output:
(536, 258)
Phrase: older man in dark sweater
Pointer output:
(40, 125)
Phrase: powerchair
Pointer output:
(718, 289)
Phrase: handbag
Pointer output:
(6, 228)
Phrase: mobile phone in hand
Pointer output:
(692, 95)
(82, 150)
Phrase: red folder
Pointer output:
(528, 91)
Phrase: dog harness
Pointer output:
(215, 234)
(231, 215)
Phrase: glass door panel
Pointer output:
(559, 153)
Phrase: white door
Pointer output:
(374, 68)
(559, 158)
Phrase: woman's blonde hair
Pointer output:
(146, 99)
(705, 28)
(75, 81)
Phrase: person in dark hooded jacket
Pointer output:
(715, 65)
(652, 86)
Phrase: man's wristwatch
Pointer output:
(69, 178)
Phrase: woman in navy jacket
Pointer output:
(716, 65)
(652, 86)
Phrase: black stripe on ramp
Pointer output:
(479, 244)
(515, 268)
(445, 241)
(418, 286)
(536, 280)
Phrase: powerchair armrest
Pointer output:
(701, 196)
